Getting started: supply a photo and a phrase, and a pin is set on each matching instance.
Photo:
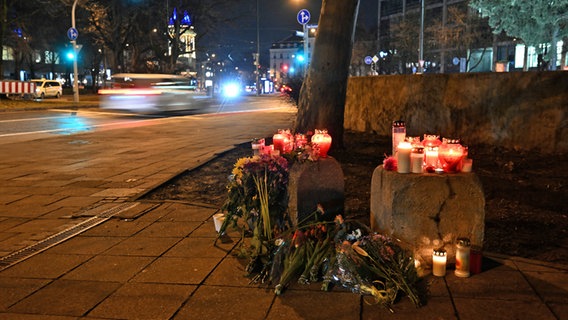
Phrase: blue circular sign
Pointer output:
(303, 16)
(368, 60)
(72, 34)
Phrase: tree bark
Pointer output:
(322, 97)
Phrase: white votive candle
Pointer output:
(431, 157)
(416, 160)
(439, 259)
(403, 157)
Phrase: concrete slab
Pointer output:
(170, 229)
(224, 302)
(185, 212)
(66, 298)
(299, 304)
(85, 245)
(551, 286)
(194, 247)
(177, 270)
(15, 289)
(109, 268)
(46, 266)
(439, 308)
(492, 284)
(491, 308)
(139, 245)
(230, 272)
(117, 228)
(143, 301)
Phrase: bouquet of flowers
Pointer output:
(258, 197)
(338, 252)
(377, 266)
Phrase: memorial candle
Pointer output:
(417, 160)
(278, 141)
(398, 134)
(450, 154)
(257, 145)
(403, 157)
(439, 259)
(323, 140)
(431, 156)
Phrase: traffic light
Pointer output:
(300, 58)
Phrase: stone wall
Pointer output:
(520, 110)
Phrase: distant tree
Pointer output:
(141, 29)
(16, 26)
(323, 93)
(111, 25)
(405, 33)
(462, 32)
(535, 22)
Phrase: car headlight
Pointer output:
(231, 90)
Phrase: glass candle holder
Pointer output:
(300, 140)
(323, 140)
(417, 160)
(404, 150)
(431, 157)
(450, 154)
(278, 140)
(398, 134)
(439, 259)
(431, 140)
(257, 144)
(462, 257)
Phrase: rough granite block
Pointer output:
(313, 183)
(428, 211)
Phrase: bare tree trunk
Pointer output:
(322, 97)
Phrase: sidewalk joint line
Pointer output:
(51, 241)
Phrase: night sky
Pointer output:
(277, 21)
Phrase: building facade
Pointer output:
(409, 37)
(291, 56)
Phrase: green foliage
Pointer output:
(535, 22)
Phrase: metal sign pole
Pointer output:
(74, 44)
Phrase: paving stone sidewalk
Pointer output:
(157, 260)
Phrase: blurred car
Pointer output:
(47, 88)
(285, 89)
(149, 93)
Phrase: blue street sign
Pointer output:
(72, 34)
(368, 60)
(303, 16)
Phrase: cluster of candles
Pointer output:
(430, 155)
(285, 142)
(468, 261)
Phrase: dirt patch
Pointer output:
(525, 192)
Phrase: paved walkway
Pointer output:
(133, 259)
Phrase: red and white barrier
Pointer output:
(16, 87)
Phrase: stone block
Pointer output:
(313, 183)
(428, 211)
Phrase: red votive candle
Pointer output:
(476, 258)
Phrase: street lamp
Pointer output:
(74, 44)
(257, 65)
